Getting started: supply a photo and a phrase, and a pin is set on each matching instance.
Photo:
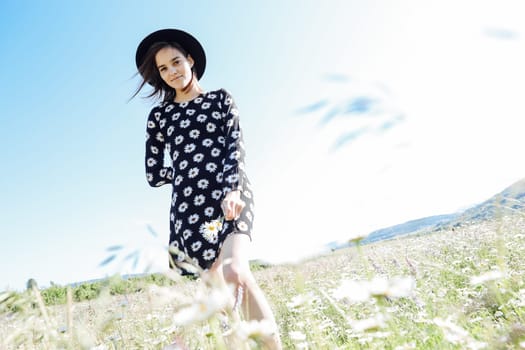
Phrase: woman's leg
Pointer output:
(234, 265)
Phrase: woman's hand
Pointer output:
(232, 205)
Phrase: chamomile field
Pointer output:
(460, 288)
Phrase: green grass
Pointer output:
(444, 311)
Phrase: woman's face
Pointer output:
(174, 68)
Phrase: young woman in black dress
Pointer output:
(212, 207)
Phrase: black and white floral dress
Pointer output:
(204, 140)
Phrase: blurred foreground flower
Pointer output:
(359, 291)
(486, 277)
(457, 335)
(256, 330)
(204, 307)
(370, 324)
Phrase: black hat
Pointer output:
(186, 40)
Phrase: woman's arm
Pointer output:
(156, 173)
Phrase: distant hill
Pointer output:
(510, 200)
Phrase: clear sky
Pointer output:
(357, 115)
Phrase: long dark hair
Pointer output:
(150, 73)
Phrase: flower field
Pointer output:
(461, 288)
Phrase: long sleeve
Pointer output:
(156, 173)
(233, 171)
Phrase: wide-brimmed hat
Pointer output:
(186, 40)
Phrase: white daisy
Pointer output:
(182, 207)
(175, 155)
(193, 172)
(183, 164)
(249, 215)
(221, 140)
(201, 118)
(170, 130)
(163, 172)
(235, 134)
(219, 177)
(154, 150)
(216, 115)
(189, 148)
(151, 124)
(184, 104)
(157, 115)
(194, 133)
(196, 246)
(211, 167)
(199, 200)
(233, 178)
(207, 142)
(215, 152)
(198, 100)
(210, 127)
(210, 230)
(186, 234)
(198, 157)
(160, 183)
(230, 123)
(193, 218)
(147, 136)
(203, 184)
(216, 194)
(173, 199)
(159, 137)
(208, 254)
(212, 96)
(178, 225)
(187, 191)
(151, 162)
(179, 139)
(149, 177)
(175, 116)
(227, 167)
(172, 217)
(184, 123)
(178, 179)
(205, 105)
(190, 112)
(235, 155)
(242, 226)
(209, 211)
(169, 108)
(162, 122)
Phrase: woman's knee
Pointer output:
(236, 273)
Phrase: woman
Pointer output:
(212, 204)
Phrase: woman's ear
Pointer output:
(190, 59)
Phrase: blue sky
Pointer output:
(357, 115)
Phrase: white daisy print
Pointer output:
(211, 167)
(172, 217)
(203, 184)
(228, 167)
(229, 123)
(193, 172)
(151, 124)
(209, 211)
(216, 194)
(184, 123)
(186, 234)
(235, 134)
(190, 112)
(178, 225)
(207, 142)
(175, 155)
(196, 246)
(199, 200)
(193, 219)
(198, 100)
(210, 127)
(178, 179)
(183, 207)
(216, 115)
(170, 130)
(221, 140)
(162, 122)
(163, 172)
(198, 157)
(219, 177)
(215, 152)
(151, 162)
(154, 150)
(157, 115)
(175, 116)
(242, 226)
(173, 199)
(194, 133)
(189, 148)
(149, 177)
(159, 137)
(233, 178)
(169, 108)
(208, 254)
(183, 164)
(179, 139)
(187, 191)
(249, 215)
(205, 105)
(184, 104)
(201, 118)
